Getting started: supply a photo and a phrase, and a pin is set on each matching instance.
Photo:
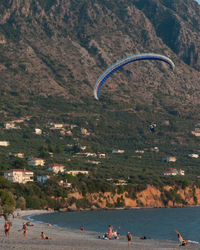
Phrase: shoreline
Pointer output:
(64, 238)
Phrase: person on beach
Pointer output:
(129, 238)
(181, 240)
(110, 232)
(25, 229)
(115, 234)
(44, 237)
(7, 229)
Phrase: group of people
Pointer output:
(24, 228)
(108, 235)
(112, 233)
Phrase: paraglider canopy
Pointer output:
(119, 64)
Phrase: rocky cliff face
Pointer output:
(150, 197)
(59, 47)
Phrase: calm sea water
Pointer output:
(159, 223)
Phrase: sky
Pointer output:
(198, 1)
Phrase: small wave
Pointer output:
(194, 242)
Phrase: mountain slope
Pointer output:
(60, 48)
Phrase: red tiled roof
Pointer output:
(56, 165)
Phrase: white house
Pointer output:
(4, 143)
(155, 149)
(19, 175)
(56, 125)
(196, 132)
(121, 182)
(181, 172)
(43, 178)
(170, 159)
(19, 155)
(34, 162)
(56, 168)
(65, 184)
(76, 172)
(38, 131)
(100, 155)
(9, 125)
(84, 131)
(194, 156)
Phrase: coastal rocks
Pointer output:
(170, 196)
(72, 208)
(65, 209)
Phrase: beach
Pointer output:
(63, 238)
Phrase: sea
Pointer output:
(155, 223)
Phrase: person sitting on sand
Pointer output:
(44, 237)
(181, 240)
(7, 228)
(115, 235)
(129, 238)
(105, 236)
(29, 224)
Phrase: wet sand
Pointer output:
(62, 238)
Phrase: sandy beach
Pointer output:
(62, 238)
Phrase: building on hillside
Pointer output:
(139, 151)
(121, 182)
(38, 131)
(181, 172)
(196, 132)
(9, 125)
(170, 171)
(4, 143)
(19, 155)
(42, 178)
(34, 162)
(69, 132)
(83, 148)
(56, 168)
(94, 162)
(100, 155)
(84, 131)
(76, 172)
(65, 184)
(155, 149)
(56, 125)
(19, 175)
(170, 159)
(194, 156)
(117, 151)
(110, 180)
(173, 172)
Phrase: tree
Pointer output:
(21, 203)
(7, 203)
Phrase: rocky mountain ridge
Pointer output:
(59, 48)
